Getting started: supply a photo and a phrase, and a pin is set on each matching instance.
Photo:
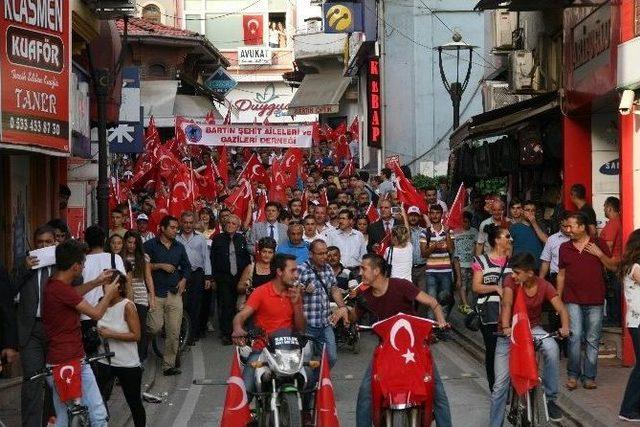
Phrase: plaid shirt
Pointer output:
(316, 305)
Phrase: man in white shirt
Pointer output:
(496, 218)
(386, 187)
(310, 231)
(322, 226)
(350, 242)
(353, 146)
(551, 252)
(431, 195)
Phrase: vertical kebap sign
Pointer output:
(34, 73)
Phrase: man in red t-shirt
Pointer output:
(274, 306)
(582, 263)
(384, 298)
(611, 234)
(61, 308)
(536, 292)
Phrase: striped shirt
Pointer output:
(440, 260)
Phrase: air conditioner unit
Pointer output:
(521, 68)
(504, 24)
(496, 94)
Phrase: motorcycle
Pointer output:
(402, 383)
(348, 335)
(282, 380)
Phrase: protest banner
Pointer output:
(248, 135)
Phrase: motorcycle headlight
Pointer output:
(288, 362)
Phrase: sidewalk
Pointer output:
(10, 396)
(593, 408)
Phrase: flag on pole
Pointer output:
(454, 217)
(236, 411)
(522, 356)
(326, 410)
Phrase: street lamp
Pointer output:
(455, 89)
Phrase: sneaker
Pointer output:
(630, 418)
(555, 414)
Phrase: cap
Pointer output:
(142, 217)
(413, 209)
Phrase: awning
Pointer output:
(503, 121)
(195, 107)
(531, 5)
(159, 99)
(319, 93)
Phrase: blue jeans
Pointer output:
(91, 398)
(551, 358)
(248, 374)
(439, 286)
(364, 406)
(324, 335)
(586, 325)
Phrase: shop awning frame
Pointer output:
(503, 121)
(319, 93)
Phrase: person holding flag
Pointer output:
(524, 294)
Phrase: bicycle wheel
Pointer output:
(517, 414)
(539, 409)
(185, 333)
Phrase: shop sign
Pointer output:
(611, 168)
(127, 136)
(591, 48)
(314, 109)
(35, 73)
(374, 104)
(248, 135)
(342, 17)
(254, 56)
(221, 82)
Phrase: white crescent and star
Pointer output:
(409, 356)
(240, 383)
(252, 25)
(67, 368)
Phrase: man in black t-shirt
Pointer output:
(579, 198)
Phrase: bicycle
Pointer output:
(185, 334)
(530, 409)
(78, 414)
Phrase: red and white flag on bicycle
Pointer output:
(236, 404)
(522, 356)
(67, 378)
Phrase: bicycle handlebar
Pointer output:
(48, 370)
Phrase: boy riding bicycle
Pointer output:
(536, 292)
(72, 381)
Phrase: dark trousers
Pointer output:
(131, 383)
(143, 344)
(193, 299)
(35, 396)
(490, 341)
(205, 312)
(631, 402)
(227, 295)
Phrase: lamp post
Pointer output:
(457, 88)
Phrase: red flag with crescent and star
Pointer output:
(406, 192)
(253, 29)
(372, 213)
(454, 217)
(255, 172)
(68, 380)
(238, 200)
(236, 404)
(326, 410)
(291, 162)
(223, 164)
(522, 356)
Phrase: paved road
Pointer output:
(196, 405)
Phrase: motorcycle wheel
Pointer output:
(400, 418)
(290, 414)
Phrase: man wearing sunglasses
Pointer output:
(527, 234)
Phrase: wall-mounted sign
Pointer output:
(374, 104)
(127, 136)
(248, 135)
(220, 81)
(591, 42)
(254, 56)
(35, 73)
(342, 17)
(252, 29)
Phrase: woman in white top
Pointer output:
(400, 254)
(273, 35)
(119, 329)
(630, 275)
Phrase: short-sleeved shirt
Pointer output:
(61, 322)
(440, 259)
(545, 292)
(584, 274)
(272, 310)
(632, 297)
(399, 298)
(483, 237)
(612, 232)
(316, 304)
(465, 242)
(551, 251)
(525, 240)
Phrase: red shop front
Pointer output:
(598, 141)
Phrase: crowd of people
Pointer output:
(282, 262)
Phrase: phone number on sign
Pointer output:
(34, 125)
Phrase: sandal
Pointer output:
(571, 384)
(590, 385)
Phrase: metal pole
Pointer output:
(102, 85)
(455, 100)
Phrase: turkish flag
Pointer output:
(339, 131)
(372, 213)
(402, 364)
(342, 151)
(522, 356)
(151, 136)
(385, 243)
(454, 218)
(238, 200)
(255, 172)
(223, 164)
(236, 405)
(67, 378)
(210, 118)
(277, 190)
(206, 183)
(348, 170)
(161, 210)
(262, 207)
(291, 163)
(407, 193)
(326, 410)
(354, 128)
(253, 29)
